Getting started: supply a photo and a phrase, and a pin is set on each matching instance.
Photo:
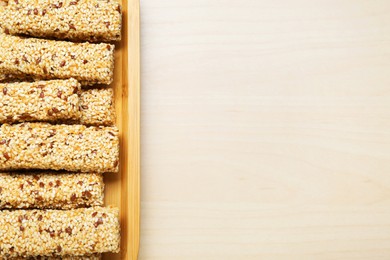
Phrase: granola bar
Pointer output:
(97, 107)
(86, 20)
(59, 147)
(87, 257)
(50, 190)
(75, 232)
(39, 101)
(56, 101)
(89, 63)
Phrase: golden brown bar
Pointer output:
(50, 101)
(47, 59)
(97, 107)
(88, 257)
(85, 20)
(56, 101)
(59, 102)
(59, 147)
(74, 232)
(50, 190)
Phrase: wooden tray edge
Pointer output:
(131, 137)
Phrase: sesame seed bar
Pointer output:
(97, 107)
(75, 232)
(89, 63)
(50, 190)
(80, 20)
(39, 101)
(59, 147)
(89, 257)
(56, 101)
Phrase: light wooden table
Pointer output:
(265, 129)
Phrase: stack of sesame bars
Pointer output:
(57, 128)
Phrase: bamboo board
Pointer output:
(123, 189)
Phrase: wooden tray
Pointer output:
(123, 189)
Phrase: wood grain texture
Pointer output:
(132, 132)
(123, 189)
(265, 129)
